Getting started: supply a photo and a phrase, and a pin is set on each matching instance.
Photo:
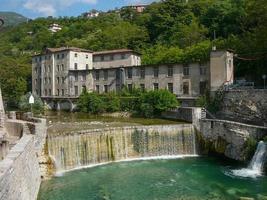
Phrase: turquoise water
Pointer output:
(187, 179)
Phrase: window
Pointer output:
(170, 87)
(202, 87)
(111, 57)
(57, 56)
(142, 87)
(58, 92)
(49, 68)
(75, 66)
(49, 80)
(155, 86)
(122, 56)
(62, 80)
(62, 66)
(130, 87)
(156, 72)
(40, 59)
(97, 88)
(105, 74)
(36, 70)
(62, 92)
(57, 80)
(106, 88)
(76, 90)
(186, 88)
(97, 74)
(118, 74)
(58, 68)
(186, 71)
(62, 55)
(75, 55)
(44, 68)
(50, 92)
(83, 77)
(202, 70)
(86, 56)
(45, 92)
(130, 72)
(87, 66)
(45, 80)
(35, 81)
(76, 77)
(170, 71)
(142, 73)
(102, 58)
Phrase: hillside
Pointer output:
(166, 32)
(12, 18)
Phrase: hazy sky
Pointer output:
(39, 8)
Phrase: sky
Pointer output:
(43, 8)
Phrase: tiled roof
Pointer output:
(114, 51)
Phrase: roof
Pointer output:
(115, 51)
(60, 49)
(53, 50)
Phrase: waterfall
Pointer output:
(96, 146)
(256, 165)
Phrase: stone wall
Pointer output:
(246, 106)
(19, 172)
(20, 175)
(188, 114)
(229, 138)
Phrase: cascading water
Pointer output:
(256, 165)
(98, 146)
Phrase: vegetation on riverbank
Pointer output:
(147, 104)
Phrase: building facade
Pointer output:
(63, 73)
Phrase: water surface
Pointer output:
(188, 178)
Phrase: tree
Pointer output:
(153, 103)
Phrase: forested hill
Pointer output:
(12, 18)
(169, 31)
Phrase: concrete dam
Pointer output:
(97, 146)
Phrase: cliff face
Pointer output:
(245, 106)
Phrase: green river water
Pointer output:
(187, 179)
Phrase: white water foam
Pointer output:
(255, 168)
(169, 157)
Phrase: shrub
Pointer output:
(158, 101)
(91, 103)
(111, 102)
(24, 105)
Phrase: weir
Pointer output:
(96, 146)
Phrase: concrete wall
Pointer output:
(247, 106)
(130, 59)
(229, 138)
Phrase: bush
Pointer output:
(158, 101)
(24, 105)
(91, 103)
(111, 102)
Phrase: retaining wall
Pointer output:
(20, 175)
(229, 138)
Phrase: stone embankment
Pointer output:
(245, 106)
(229, 138)
(20, 175)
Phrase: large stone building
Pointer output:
(60, 74)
